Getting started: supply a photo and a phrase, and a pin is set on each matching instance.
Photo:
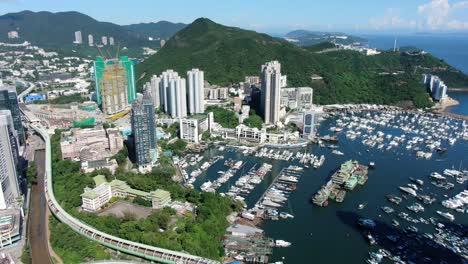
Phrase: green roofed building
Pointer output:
(115, 84)
(95, 199)
(160, 198)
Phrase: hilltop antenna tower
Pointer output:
(395, 45)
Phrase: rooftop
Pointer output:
(100, 179)
(160, 194)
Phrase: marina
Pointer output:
(425, 183)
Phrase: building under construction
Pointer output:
(115, 84)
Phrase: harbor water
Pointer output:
(330, 234)
(462, 98)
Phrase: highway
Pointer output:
(37, 228)
(137, 249)
(31, 87)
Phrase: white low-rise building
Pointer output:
(93, 199)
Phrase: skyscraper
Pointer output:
(104, 40)
(154, 88)
(164, 86)
(270, 96)
(9, 101)
(90, 40)
(173, 94)
(435, 86)
(78, 37)
(8, 177)
(143, 129)
(196, 100)
(309, 124)
(115, 84)
(176, 97)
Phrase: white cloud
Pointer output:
(392, 20)
(438, 12)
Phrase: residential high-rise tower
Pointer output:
(9, 101)
(196, 100)
(90, 40)
(8, 176)
(78, 37)
(144, 134)
(271, 94)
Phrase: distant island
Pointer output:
(307, 38)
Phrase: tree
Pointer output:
(224, 117)
(178, 147)
(206, 136)
(121, 156)
(32, 174)
(253, 120)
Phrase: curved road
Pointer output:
(37, 227)
(133, 248)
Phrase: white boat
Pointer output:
(448, 216)
(285, 215)
(437, 176)
(408, 190)
(337, 152)
(282, 243)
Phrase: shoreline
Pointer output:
(461, 89)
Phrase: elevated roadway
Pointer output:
(152, 253)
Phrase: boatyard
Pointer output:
(350, 174)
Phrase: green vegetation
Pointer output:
(206, 136)
(224, 117)
(306, 38)
(161, 29)
(143, 202)
(178, 147)
(172, 130)
(254, 120)
(108, 125)
(320, 46)
(67, 99)
(26, 255)
(31, 174)
(64, 99)
(55, 30)
(72, 247)
(121, 156)
(200, 234)
(227, 54)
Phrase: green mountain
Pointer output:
(47, 29)
(307, 38)
(161, 29)
(227, 54)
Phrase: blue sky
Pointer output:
(272, 16)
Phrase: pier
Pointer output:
(288, 171)
(452, 115)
